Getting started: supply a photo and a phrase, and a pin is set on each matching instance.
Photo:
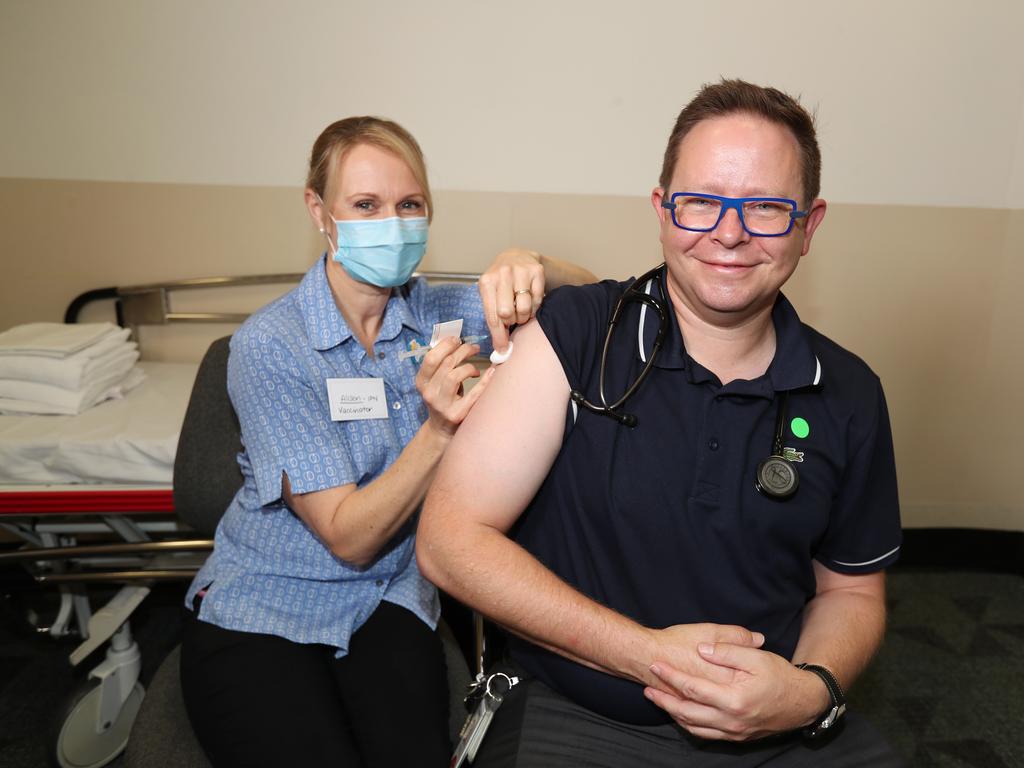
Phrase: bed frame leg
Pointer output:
(109, 619)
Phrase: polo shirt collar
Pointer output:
(325, 324)
(793, 367)
(672, 354)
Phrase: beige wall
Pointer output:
(142, 141)
(928, 296)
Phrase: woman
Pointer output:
(310, 637)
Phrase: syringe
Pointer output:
(419, 352)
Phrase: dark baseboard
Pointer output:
(964, 548)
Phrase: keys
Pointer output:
(484, 697)
(476, 690)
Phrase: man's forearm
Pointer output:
(843, 629)
(480, 566)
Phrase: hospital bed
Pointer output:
(90, 497)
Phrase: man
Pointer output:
(664, 576)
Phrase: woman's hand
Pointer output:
(442, 373)
(511, 289)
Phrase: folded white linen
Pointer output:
(53, 339)
(131, 440)
(74, 371)
(29, 397)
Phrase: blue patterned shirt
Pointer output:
(269, 573)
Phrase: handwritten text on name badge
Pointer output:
(354, 399)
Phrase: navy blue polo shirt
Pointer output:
(663, 522)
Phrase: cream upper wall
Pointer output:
(920, 101)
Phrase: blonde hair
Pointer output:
(340, 137)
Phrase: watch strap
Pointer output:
(830, 716)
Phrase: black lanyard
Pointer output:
(777, 477)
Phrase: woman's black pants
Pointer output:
(260, 700)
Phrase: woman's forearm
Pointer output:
(560, 272)
(356, 523)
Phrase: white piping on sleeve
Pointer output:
(868, 562)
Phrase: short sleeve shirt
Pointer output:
(269, 573)
(663, 522)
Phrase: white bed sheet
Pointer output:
(131, 440)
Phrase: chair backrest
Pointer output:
(206, 473)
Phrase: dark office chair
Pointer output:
(206, 477)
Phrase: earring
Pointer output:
(321, 230)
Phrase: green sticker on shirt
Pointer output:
(800, 427)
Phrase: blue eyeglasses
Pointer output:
(760, 216)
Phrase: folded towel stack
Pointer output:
(57, 368)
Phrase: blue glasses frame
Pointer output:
(732, 203)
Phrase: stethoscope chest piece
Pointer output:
(777, 477)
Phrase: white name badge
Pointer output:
(354, 399)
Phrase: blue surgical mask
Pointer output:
(381, 252)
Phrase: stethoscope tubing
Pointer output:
(777, 476)
(632, 293)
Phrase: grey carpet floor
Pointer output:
(947, 688)
(37, 680)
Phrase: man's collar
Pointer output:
(326, 325)
(794, 365)
(672, 354)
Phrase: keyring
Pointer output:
(510, 681)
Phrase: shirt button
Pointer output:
(396, 405)
(380, 355)
(380, 582)
(713, 444)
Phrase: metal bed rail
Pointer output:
(150, 304)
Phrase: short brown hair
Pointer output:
(732, 96)
(340, 137)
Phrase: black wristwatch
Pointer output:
(830, 716)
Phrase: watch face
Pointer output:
(777, 477)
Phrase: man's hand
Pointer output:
(676, 647)
(766, 694)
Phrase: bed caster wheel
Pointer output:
(80, 741)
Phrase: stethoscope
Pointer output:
(777, 477)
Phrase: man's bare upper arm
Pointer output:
(503, 450)
(868, 584)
